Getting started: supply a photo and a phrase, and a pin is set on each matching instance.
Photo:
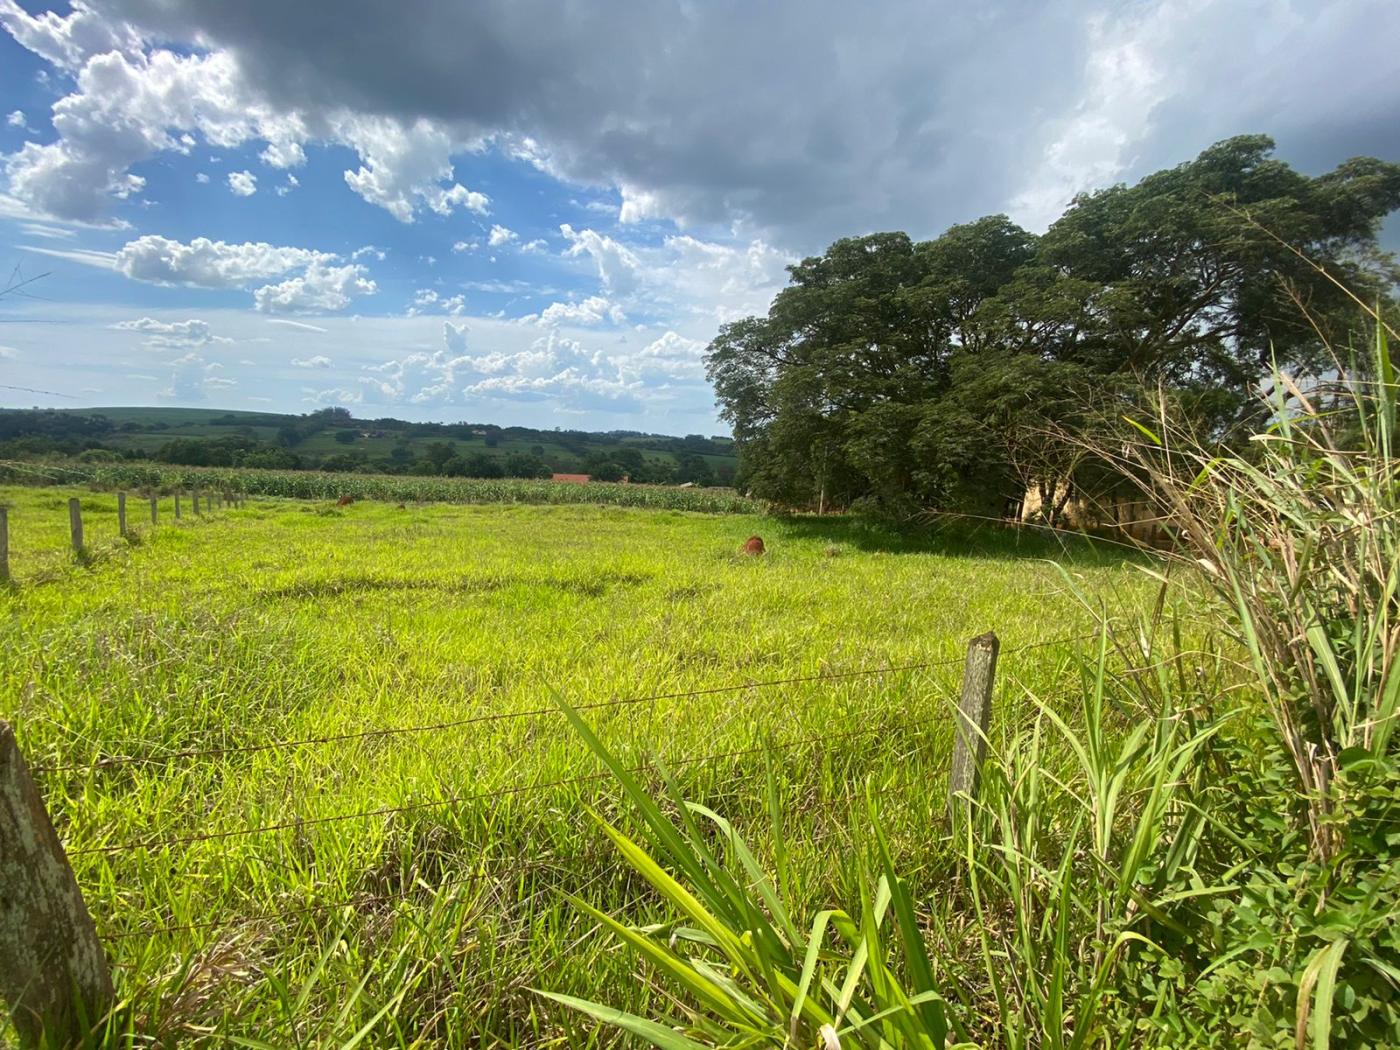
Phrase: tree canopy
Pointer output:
(934, 373)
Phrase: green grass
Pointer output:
(289, 620)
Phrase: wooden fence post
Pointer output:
(75, 524)
(53, 973)
(194, 501)
(973, 719)
(177, 504)
(155, 513)
(121, 514)
(4, 544)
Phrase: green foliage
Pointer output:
(1204, 850)
(1077, 852)
(963, 371)
(756, 978)
(1297, 952)
(1299, 545)
(320, 440)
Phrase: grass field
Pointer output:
(431, 925)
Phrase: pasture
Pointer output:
(409, 887)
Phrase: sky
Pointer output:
(533, 213)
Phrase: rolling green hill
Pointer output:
(333, 439)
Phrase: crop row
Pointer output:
(386, 487)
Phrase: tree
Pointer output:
(345, 437)
(481, 465)
(342, 461)
(602, 467)
(693, 469)
(270, 457)
(437, 454)
(936, 373)
(524, 465)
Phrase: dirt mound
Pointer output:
(753, 545)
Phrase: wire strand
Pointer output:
(365, 899)
(502, 716)
(150, 844)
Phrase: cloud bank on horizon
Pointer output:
(514, 211)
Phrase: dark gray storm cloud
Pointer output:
(809, 120)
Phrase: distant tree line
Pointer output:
(961, 372)
(417, 448)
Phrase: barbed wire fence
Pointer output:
(45, 905)
(213, 500)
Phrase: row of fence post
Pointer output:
(53, 971)
(212, 501)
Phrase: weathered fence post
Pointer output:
(155, 513)
(4, 544)
(75, 524)
(973, 719)
(194, 501)
(121, 514)
(53, 973)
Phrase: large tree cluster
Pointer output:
(962, 371)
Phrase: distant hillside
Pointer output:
(332, 439)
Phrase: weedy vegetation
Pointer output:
(1186, 831)
(1199, 851)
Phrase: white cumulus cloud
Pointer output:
(242, 183)
(211, 264)
(594, 310)
(321, 288)
(190, 333)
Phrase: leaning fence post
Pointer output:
(75, 524)
(121, 514)
(53, 973)
(4, 544)
(973, 719)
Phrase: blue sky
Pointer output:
(515, 212)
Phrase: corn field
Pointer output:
(299, 484)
